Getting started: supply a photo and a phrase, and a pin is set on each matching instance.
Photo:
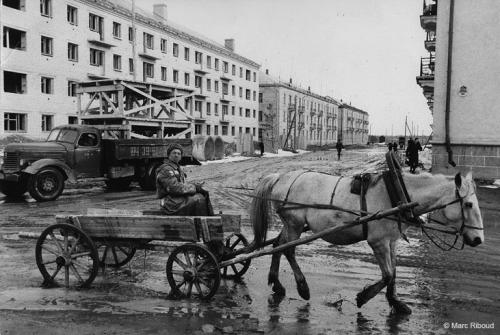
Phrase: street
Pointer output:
(455, 286)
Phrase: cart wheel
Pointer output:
(65, 254)
(115, 256)
(232, 243)
(193, 269)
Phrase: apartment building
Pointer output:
(49, 46)
(461, 84)
(353, 125)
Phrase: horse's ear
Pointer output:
(458, 180)
(469, 176)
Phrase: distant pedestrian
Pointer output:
(339, 147)
(412, 153)
(395, 147)
(261, 147)
(389, 146)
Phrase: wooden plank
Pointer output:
(113, 211)
(231, 223)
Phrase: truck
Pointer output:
(73, 152)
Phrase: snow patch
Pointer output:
(239, 157)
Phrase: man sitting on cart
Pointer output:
(179, 197)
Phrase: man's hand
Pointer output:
(200, 189)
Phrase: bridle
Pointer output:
(457, 232)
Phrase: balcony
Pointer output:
(225, 97)
(430, 41)
(313, 111)
(200, 69)
(426, 77)
(312, 126)
(198, 117)
(224, 118)
(301, 109)
(429, 15)
(291, 107)
(301, 125)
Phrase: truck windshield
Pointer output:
(62, 135)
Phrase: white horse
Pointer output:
(460, 212)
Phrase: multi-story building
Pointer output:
(294, 117)
(353, 125)
(48, 47)
(465, 85)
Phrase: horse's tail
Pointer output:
(259, 210)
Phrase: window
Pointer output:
(233, 70)
(47, 46)
(186, 53)
(175, 49)
(14, 122)
(96, 57)
(163, 45)
(225, 88)
(216, 85)
(241, 113)
(163, 73)
(209, 84)
(260, 97)
(117, 62)
(149, 70)
(241, 72)
(175, 76)
(240, 130)
(208, 129)
(131, 65)
(247, 112)
(14, 39)
(225, 67)
(253, 113)
(233, 132)
(209, 105)
(233, 90)
(16, 4)
(72, 85)
(247, 94)
(216, 64)
(47, 121)
(88, 140)
(224, 130)
(241, 92)
(117, 30)
(253, 131)
(47, 85)
(209, 62)
(225, 109)
(232, 110)
(247, 75)
(197, 81)
(254, 77)
(197, 106)
(72, 120)
(216, 110)
(130, 34)
(95, 23)
(73, 52)
(216, 130)
(14, 82)
(197, 129)
(186, 79)
(247, 130)
(148, 41)
(72, 15)
(198, 57)
(254, 96)
(46, 7)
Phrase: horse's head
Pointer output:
(463, 213)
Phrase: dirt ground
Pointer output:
(456, 288)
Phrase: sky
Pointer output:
(366, 52)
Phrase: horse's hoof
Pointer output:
(400, 307)
(303, 290)
(279, 289)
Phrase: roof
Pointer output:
(353, 108)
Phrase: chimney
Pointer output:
(229, 44)
(160, 11)
(267, 71)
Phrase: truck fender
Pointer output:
(41, 163)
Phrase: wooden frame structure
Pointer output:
(130, 109)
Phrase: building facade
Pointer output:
(353, 125)
(48, 47)
(464, 85)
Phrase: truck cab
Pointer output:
(70, 152)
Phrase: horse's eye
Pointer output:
(468, 204)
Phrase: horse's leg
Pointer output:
(294, 232)
(391, 295)
(382, 251)
(272, 278)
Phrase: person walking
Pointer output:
(261, 147)
(339, 147)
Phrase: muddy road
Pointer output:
(442, 288)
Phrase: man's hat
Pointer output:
(174, 147)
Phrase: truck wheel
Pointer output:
(118, 184)
(13, 190)
(46, 185)
(148, 181)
